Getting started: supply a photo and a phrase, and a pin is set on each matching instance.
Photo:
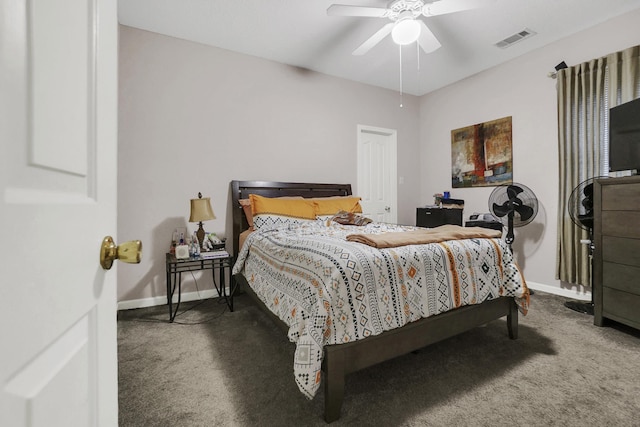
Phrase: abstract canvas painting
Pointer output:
(481, 154)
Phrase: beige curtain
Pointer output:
(585, 94)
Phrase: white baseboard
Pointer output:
(563, 292)
(162, 300)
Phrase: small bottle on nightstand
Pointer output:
(194, 246)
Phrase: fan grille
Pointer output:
(516, 198)
(580, 204)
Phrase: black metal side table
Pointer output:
(175, 267)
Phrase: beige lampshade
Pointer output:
(201, 210)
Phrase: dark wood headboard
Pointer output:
(242, 189)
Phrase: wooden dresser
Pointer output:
(616, 261)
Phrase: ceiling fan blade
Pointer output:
(347, 10)
(442, 7)
(374, 39)
(427, 40)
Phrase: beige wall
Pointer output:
(193, 117)
(521, 89)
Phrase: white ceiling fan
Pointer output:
(405, 26)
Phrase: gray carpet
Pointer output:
(219, 368)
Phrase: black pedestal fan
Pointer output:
(580, 207)
(515, 205)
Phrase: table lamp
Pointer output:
(201, 211)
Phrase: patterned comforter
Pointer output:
(331, 291)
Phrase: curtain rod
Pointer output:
(560, 66)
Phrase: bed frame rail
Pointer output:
(343, 359)
(340, 360)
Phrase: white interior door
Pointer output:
(58, 78)
(377, 173)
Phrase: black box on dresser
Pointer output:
(435, 216)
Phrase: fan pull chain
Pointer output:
(400, 48)
(418, 54)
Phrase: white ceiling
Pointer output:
(299, 33)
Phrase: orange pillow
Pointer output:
(287, 207)
(246, 207)
(335, 204)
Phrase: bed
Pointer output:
(350, 355)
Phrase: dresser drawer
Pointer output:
(621, 277)
(621, 250)
(621, 306)
(621, 224)
(620, 197)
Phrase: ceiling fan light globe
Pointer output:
(406, 32)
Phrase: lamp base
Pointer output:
(200, 235)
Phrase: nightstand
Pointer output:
(175, 267)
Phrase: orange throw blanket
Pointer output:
(423, 236)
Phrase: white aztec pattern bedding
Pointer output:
(331, 291)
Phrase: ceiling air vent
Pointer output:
(524, 34)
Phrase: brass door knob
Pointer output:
(129, 252)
